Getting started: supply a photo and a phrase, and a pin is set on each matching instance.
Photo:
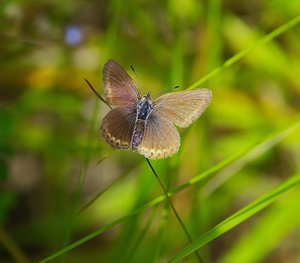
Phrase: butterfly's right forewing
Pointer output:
(183, 107)
(117, 127)
(120, 89)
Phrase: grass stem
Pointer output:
(168, 199)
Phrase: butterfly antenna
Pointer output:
(167, 90)
(97, 94)
(141, 84)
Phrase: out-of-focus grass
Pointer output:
(50, 145)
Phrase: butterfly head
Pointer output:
(146, 99)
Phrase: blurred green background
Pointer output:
(53, 160)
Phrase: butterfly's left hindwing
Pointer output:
(117, 127)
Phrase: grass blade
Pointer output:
(238, 217)
(278, 225)
(238, 160)
(275, 33)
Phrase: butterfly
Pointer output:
(142, 124)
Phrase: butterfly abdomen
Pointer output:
(144, 109)
(138, 133)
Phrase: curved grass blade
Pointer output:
(238, 160)
(275, 33)
(238, 217)
(275, 227)
(91, 235)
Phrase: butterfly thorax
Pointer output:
(144, 108)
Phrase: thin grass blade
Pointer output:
(238, 217)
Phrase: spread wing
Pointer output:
(183, 107)
(120, 89)
(117, 127)
(160, 140)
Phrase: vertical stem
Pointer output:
(168, 199)
(12, 247)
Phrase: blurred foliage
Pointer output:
(53, 160)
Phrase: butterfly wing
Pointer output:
(117, 127)
(120, 89)
(183, 107)
(160, 140)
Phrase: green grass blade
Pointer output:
(238, 217)
(91, 236)
(239, 159)
(141, 235)
(278, 224)
(275, 33)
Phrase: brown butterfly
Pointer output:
(143, 125)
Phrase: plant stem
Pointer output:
(168, 199)
(12, 247)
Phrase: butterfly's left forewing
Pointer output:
(160, 140)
